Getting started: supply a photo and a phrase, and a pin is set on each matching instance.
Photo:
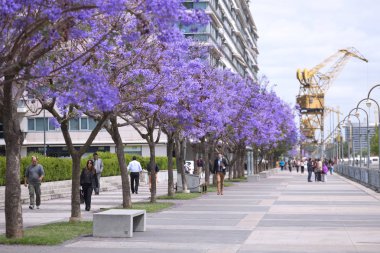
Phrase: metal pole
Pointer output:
(378, 116)
(44, 134)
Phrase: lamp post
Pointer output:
(368, 141)
(378, 118)
(378, 112)
(352, 139)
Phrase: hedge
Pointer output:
(57, 169)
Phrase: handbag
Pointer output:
(81, 195)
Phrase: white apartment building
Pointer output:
(232, 37)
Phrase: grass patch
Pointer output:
(51, 234)
(152, 207)
(148, 206)
(237, 180)
(181, 196)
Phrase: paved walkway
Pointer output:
(282, 213)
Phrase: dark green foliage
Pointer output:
(57, 169)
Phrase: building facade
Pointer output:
(231, 36)
(357, 136)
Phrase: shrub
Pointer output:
(57, 169)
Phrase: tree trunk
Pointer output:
(180, 163)
(206, 164)
(170, 166)
(115, 134)
(152, 171)
(75, 186)
(13, 141)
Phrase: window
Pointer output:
(31, 125)
(83, 123)
(91, 123)
(74, 124)
(133, 150)
(37, 124)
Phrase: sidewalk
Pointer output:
(282, 213)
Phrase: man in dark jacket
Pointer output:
(309, 170)
(220, 165)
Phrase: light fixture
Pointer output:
(368, 103)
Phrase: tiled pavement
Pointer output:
(282, 213)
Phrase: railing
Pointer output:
(364, 176)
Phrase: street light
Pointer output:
(368, 141)
(378, 116)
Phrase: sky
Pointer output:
(301, 34)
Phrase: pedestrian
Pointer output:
(98, 165)
(324, 172)
(135, 169)
(34, 175)
(304, 165)
(298, 164)
(89, 182)
(331, 167)
(149, 169)
(309, 166)
(220, 165)
(200, 164)
(282, 164)
(318, 170)
(290, 166)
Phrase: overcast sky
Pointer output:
(300, 34)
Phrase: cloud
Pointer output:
(301, 34)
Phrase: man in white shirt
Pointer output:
(98, 165)
(135, 168)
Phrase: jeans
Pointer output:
(35, 189)
(309, 173)
(97, 189)
(135, 181)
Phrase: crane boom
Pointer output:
(313, 86)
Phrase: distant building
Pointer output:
(359, 135)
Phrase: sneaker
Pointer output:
(31, 207)
(38, 207)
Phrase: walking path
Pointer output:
(282, 213)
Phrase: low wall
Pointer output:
(62, 189)
(367, 177)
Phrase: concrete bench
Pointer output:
(119, 223)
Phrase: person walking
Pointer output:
(135, 169)
(304, 165)
(324, 172)
(282, 164)
(331, 167)
(200, 167)
(220, 165)
(309, 166)
(318, 170)
(34, 175)
(88, 182)
(98, 165)
(297, 164)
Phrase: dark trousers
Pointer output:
(87, 193)
(309, 173)
(302, 169)
(317, 176)
(298, 168)
(135, 181)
